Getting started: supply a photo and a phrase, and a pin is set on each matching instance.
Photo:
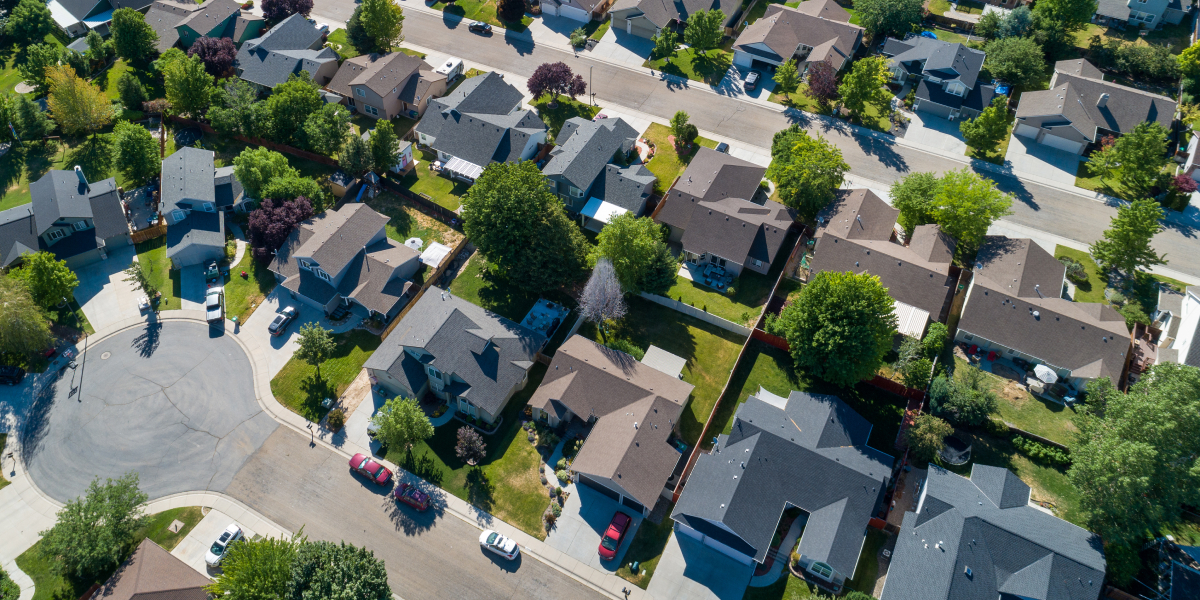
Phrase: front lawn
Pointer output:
(1111, 184)
(298, 387)
(481, 10)
(710, 353)
(506, 484)
(708, 67)
(787, 588)
(1145, 290)
(409, 222)
(341, 44)
(800, 99)
(152, 255)
(565, 109)
(441, 190)
(244, 294)
(750, 292)
(646, 548)
(997, 155)
(667, 164)
(158, 528)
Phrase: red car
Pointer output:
(410, 495)
(613, 536)
(371, 469)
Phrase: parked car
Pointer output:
(212, 271)
(498, 544)
(722, 147)
(11, 375)
(323, 28)
(216, 552)
(369, 468)
(214, 305)
(410, 495)
(480, 27)
(282, 320)
(751, 81)
(613, 535)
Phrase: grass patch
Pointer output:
(477, 10)
(244, 294)
(750, 292)
(868, 566)
(1025, 411)
(298, 387)
(598, 32)
(997, 155)
(480, 285)
(787, 588)
(646, 548)
(946, 35)
(440, 190)
(1110, 185)
(710, 353)
(506, 484)
(411, 52)
(340, 43)
(1145, 288)
(71, 316)
(10, 59)
(667, 164)
(566, 108)
(709, 67)
(3, 482)
(158, 528)
(409, 222)
(152, 254)
(800, 99)
(1175, 36)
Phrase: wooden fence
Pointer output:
(149, 233)
(284, 148)
(436, 210)
(429, 281)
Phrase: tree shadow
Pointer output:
(423, 466)
(38, 159)
(480, 490)
(147, 342)
(411, 521)
(315, 388)
(884, 151)
(94, 156)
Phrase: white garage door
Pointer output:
(1026, 130)
(742, 59)
(1062, 144)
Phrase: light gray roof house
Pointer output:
(291, 46)
(164, 16)
(189, 195)
(663, 12)
(979, 538)
(584, 147)
(18, 234)
(811, 454)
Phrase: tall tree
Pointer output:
(807, 171)
(787, 78)
(470, 447)
(385, 147)
(383, 21)
(315, 345)
(665, 43)
(1142, 154)
(29, 23)
(1104, 162)
(926, 437)
(510, 11)
(217, 54)
(256, 569)
(704, 30)
(985, 132)
(401, 423)
(864, 86)
(966, 205)
(38, 59)
(1189, 63)
(662, 271)
(49, 280)
(1125, 245)
(988, 26)
(93, 534)
(630, 244)
(290, 104)
(822, 82)
(682, 128)
(914, 196)
(1070, 15)
(256, 166)
(233, 107)
(291, 187)
(31, 122)
(275, 11)
(840, 326)
(602, 300)
(131, 91)
(965, 399)
(189, 87)
(326, 130)
(325, 570)
(273, 221)
(555, 79)
(894, 18)
(357, 35)
(1015, 60)
(133, 37)
(136, 153)
(355, 157)
(1017, 23)
(24, 329)
(79, 107)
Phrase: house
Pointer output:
(481, 122)
(946, 76)
(981, 537)
(807, 451)
(77, 17)
(472, 358)
(385, 86)
(576, 10)
(76, 220)
(195, 197)
(815, 31)
(1178, 316)
(1150, 14)
(633, 410)
(1014, 308)
(292, 46)
(858, 234)
(152, 573)
(164, 16)
(645, 18)
(343, 258)
(219, 18)
(582, 173)
(710, 214)
(1080, 108)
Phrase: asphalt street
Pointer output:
(428, 555)
(1037, 206)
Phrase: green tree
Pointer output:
(8, 587)
(889, 18)
(863, 86)
(383, 22)
(136, 152)
(985, 132)
(138, 276)
(355, 158)
(189, 87)
(385, 146)
(966, 205)
(682, 129)
(1069, 15)
(324, 570)
(316, 345)
(1104, 162)
(290, 187)
(357, 35)
(39, 58)
(787, 78)
(131, 91)
(48, 279)
(807, 171)
(79, 106)
(326, 129)
(290, 104)
(840, 326)
(95, 44)
(93, 534)
(256, 569)
(133, 38)
(1015, 60)
(29, 23)
(31, 122)
(235, 108)
(916, 373)
(168, 58)
(520, 227)
(1125, 245)
(631, 244)
(1142, 154)
(665, 43)
(256, 166)
(988, 25)
(1189, 62)
(401, 423)
(915, 196)
(1017, 22)
(966, 399)
(926, 437)
(704, 30)
(24, 329)
(661, 272)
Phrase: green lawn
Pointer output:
(1023, 410)
(9, 76)
(946, 35)
(158, 527)
(598, 32)
(800, 98)
(710, 353)
(71, 316)
(481, 10)
(478, 284)
(667, 164)
(787, 588)
(408, 222)
(750, 292)
(244, 294)
(152, 254)
(709, 67)
(3, 481)
(565, 109)
(424, 182)
(1145, 287)
(646, 548)
(297, 386)
(1176, 36)
(341, 44)
(506, 484)
(868, 563)
(1111, 184)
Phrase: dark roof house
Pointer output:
(219, 18)
(650, 16)
(195, 197)
(947, 75)
(152, 573)
(584, 176)
(815, 31)
(164, 16)
(291, 46)
(77, 220)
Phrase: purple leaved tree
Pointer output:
(470, 448)
(273, 221)
(555, 79)
(217, 54)
(603, 299)
(822, 82)
(1185, 184)
(275, 11)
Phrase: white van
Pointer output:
(452, 69)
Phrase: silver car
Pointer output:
(214, 305)
(216, 552)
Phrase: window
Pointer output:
(821, 570)
(434, 373)
(177, 215)
(956, 88)
(358, 92)
(968, 337)
(80, 225)
(371, 110)
(56, 234)
(757, 263)
(576, 192)
(208, 207)
(321, 273)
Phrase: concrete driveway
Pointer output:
(1028, 156)
(936, 132)
(192, 548)
(192, 287)
(103, 293)
(586, 514)
(689, 570)
(276, 350)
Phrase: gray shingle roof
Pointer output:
(984, 524)
(489, 353)
(82, 8)
(586, 147)
(369, 281)
(1117, 9)
(715, 175)
(627, 187)
(812, 454)
(289, 47)
(1075, 92)
(381, 73)
(819, 26)
(211, 14)
(481, 121)
(61, 194)
(18, 234)
(662, 12)
(188, 178)
(228, 189)
(1185, 582)
(198, 228)
(941, 59)
(164, 16)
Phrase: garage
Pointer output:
(1028, 131)
(1062, 144)
(933, 108)
(599, 487)
(634, 504)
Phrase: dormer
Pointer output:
(956, 88)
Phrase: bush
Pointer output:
(337, 419)
(562, 475)
(1134, 314)
(578, 37)
(627, 347)
(544, 480)
(997, 428)
(556, 510)
(548, 439)
(935, 340)
(771, 325)
(1041, 453)
(551, 518)
(230, 249)
(562, 464)
(857, 595)
(916, 373)
(558, 491)
(1075, 272)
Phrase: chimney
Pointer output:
(82, 178)
(1102, 101)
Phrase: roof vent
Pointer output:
(967, 570)
(1102, 101)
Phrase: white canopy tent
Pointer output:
(601, 211)
(464, 169)
(435, 254)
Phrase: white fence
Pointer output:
(703, 315)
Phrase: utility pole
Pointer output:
(591, 90)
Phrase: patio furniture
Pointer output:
(991, 356)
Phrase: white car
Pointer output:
(494, 542)
(216, 552)
(214, 305)
(323, 27)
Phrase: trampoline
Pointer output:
(956, 451)
(187, 137)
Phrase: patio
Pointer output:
(141, 208)
(708, 274)
(545, 317)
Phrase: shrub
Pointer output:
(916, 373)
(1042, 453)
(935, 340)
(1075, 272)
(578, 37)
(549, 440)
(562, 475)
(558, 491)
(562, 464)
(627, 347)
(337, 419)
(857, 595)
(997, 428)
(230, 249)
(544, 480)
(551, 518)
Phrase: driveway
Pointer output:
(1027, 156)
(586, 514)
(689, 570)
(192, 548)
(103, 293)
(276, 350)
(935, 132)
(618, 46)
(192, 287)
(172, 401)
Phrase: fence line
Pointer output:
(149, 233)
(703, 315)
(440, 212)
(205, 127)
(429, 280)
(1035, 437)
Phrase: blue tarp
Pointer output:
(929, 34)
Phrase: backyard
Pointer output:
(742, 301)
(1177, 36)
(152, 255)
(480, 10)
(710, 353)
(668, 164)
(9, 76)
(566, 108)
(707, 67)
(1027, 412)
(409, 222)
(298, 386)
(424, 182)
(341, 44)
(941, 7)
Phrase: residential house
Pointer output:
(710, 213)
(982, 537)
(807, 451)
(858, 234)
(1080, 108)
(945, 76)
(77, 17)
(385, 86)
(1150, 14)
(645, 18)
(582, 172)
(472, 358)
(1014, 307)
(633, 410)
(76, 220)
(481, 122)
(1178, 317)
(195, 228)
(343, 258)
(152, 573)
(164, 16)
(292, 46)
(577, 10)
(815, 31)
(219, 18)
